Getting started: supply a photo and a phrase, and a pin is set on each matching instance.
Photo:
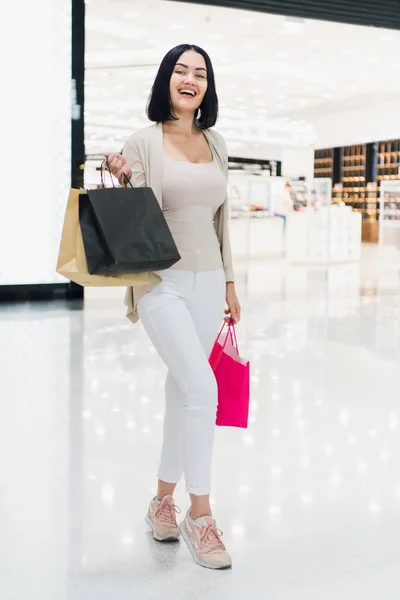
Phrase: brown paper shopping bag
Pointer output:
(71, 261)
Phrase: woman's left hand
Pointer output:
(233, 311)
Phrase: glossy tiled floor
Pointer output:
(308, 497)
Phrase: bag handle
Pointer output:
(231, 330)
(125, 180)
(105, 167)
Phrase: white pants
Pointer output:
(182, 316)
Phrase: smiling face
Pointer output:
(188, 84)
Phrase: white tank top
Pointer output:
(191, 196)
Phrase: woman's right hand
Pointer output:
(117, 165)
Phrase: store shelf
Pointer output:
(359, 170)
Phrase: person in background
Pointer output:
(185, 162)
(283, 202)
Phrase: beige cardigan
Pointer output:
(144, 153)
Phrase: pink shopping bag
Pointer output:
(233, 378)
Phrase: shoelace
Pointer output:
(210, 538)
(166, 513)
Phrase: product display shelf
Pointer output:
(353, 180)
(388, 162)
(323, 163)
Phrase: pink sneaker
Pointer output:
(204, 542)
(161, 517)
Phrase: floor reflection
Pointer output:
(308, 497)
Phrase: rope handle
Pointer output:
(106, 167)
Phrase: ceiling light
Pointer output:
(251, 46)
(112, 46)
(261, 103)
(282, 97)
(352, 88)
(257, 91)
(281, 106)
(246, 21)
(261, 111)
(293, 25)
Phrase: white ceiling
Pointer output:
(275, 76)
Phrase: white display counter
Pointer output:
(255, 237)
(329, 235)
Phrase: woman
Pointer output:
(186, 165)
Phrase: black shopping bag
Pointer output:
(124, 231)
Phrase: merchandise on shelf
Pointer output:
(357, 173)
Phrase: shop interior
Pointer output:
(302, 102)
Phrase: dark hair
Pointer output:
(159, 107)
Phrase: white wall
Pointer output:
(35, 121)
(367, 123)
(296, 161)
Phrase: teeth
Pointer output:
(187, 92)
